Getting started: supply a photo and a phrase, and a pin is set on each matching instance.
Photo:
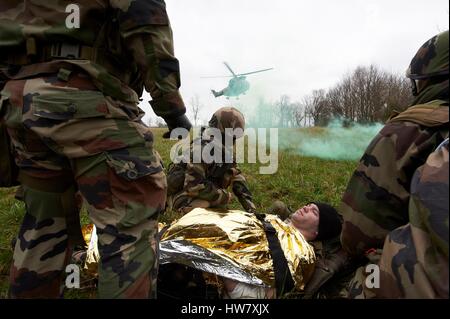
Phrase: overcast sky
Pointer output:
(310, 44)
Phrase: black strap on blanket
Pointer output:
(283, 279)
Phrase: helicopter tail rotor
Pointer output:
(215, 93)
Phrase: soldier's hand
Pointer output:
(281, 209)
(254, 211)
(177, 122)
(259, 215)
(248, 205)
(326, 268)
(230, 197)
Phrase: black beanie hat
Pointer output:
(330, 224)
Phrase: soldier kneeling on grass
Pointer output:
(200, 184)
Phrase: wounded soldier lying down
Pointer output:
(234, 254)
(246, 257)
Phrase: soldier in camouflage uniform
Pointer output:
(70, 107)
(386, 209)
(203, 185)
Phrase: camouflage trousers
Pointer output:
(72, 142)
(183, 203)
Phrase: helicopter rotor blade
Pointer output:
(229, 68)
(234, 74)
(259, 71)
(217, 77)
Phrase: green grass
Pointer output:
(297, 181)
(11, 213)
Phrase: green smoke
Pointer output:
(334, 142)
(337, 141)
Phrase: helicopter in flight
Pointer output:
(237, 85)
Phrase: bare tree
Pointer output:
(366, 95)
(299, 114)
(160, 123)
(397, 95)
(283, 110)
(264, 114)
(195, 107)
(317, 107)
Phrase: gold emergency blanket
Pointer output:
(233, 244)
(92, 256)
(86, 231)
(298, 252)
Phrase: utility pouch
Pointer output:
(175, 178)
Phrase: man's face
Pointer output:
(306, 220)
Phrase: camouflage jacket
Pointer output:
(414, 262)
(123, 45)
(378, 194)
(206, 185)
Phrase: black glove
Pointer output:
(173, 123)
(254, 211)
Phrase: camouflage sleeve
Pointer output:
(429, 214)
(241, 190)
(197, 185)
(147, 33)
(414, 260)
(376, 199)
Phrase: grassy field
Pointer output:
(297, 181)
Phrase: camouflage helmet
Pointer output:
(431, 60)
(228, 117)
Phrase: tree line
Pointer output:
(366, 95)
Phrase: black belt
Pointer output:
(36, 53)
